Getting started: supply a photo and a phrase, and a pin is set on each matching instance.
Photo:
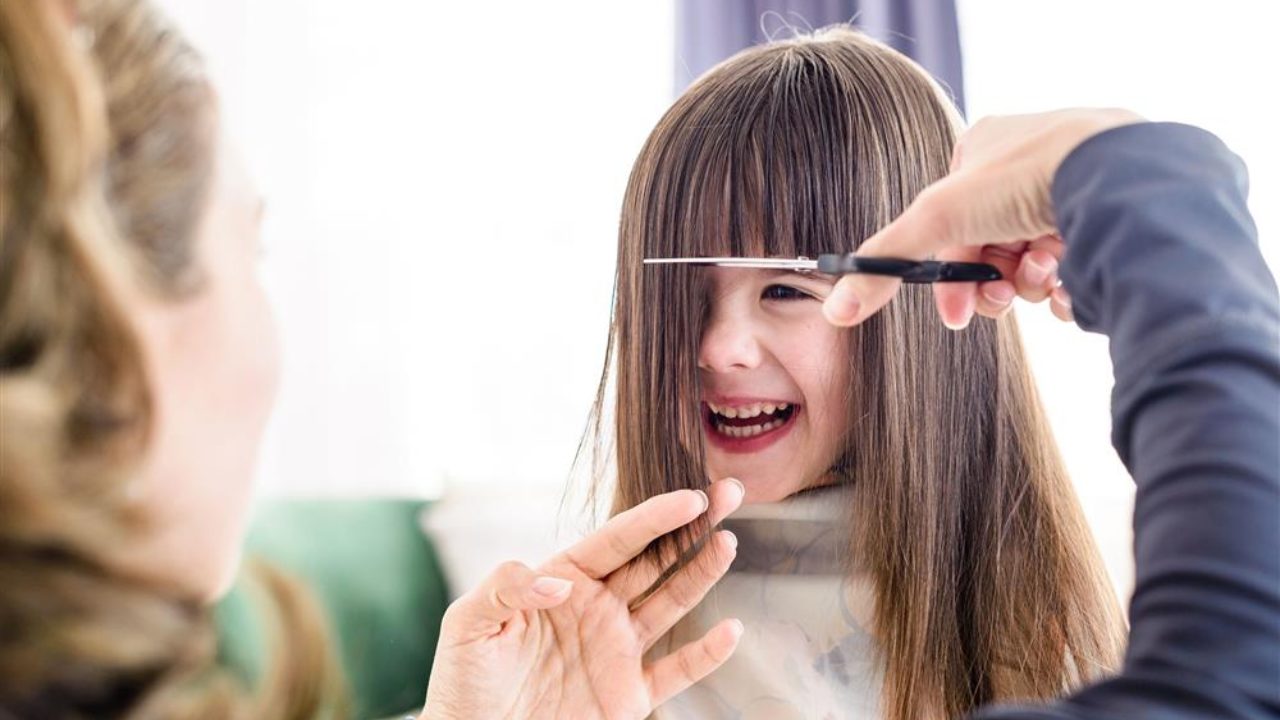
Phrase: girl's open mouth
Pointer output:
(747, 427)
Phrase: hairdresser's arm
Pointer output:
(1162, 257)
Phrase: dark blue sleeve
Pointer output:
(1162, 257)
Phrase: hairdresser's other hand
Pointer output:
(562, 642)
(993, 207)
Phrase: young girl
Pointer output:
(915, 548)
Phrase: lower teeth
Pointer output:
(746, 431)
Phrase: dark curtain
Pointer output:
(708, 31)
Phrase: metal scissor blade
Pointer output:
(910, 271)
(797, 264)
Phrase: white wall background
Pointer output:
(443, 183)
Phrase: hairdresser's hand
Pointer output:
(993, 207)
(561, 641)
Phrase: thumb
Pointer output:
(973, 207)
(509, 589)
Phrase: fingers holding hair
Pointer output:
(628, 533)
(629, 582)
(685, 589)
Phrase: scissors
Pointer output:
(911, 271)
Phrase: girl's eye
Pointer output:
(785, 292)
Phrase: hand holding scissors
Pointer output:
(994, 208)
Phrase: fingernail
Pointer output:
(742, 490)
(551, 586)
(842, 306)
(706, 501)
(998, 293)
(730, 538)
(736, 628)
(1037, 273)
(1061, 296)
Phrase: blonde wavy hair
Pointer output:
(107, 133)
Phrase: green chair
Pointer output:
(378, 579)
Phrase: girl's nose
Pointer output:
(730, 342)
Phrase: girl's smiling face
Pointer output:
(775, 379)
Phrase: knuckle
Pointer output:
(507, 573)
(688, 660)
(616, 544)
(935, 211)
(645, 630)
(510, 568)
(683, 596)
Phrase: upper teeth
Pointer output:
(748, 411)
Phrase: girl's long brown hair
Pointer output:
(988, 585)
(107, 132)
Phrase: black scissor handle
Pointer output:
(911, 271)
